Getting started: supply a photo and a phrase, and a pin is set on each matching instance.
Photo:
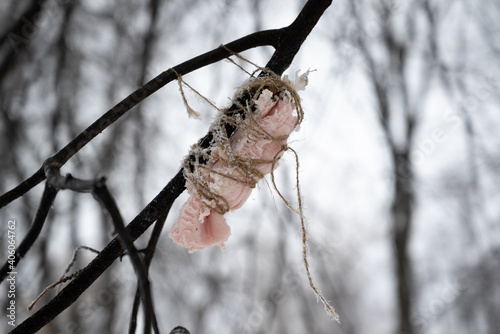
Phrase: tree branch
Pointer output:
(287, 42)
(158, 207)
(261, 38)
(102, 194)
(292, 37)
(49, 194)
(56, 182)
(148, 257)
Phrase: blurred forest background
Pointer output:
(399, 163)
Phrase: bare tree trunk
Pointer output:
(401, 212)
(389, 82)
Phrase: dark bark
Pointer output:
(48, 197)
(402, 216)
(159, 206)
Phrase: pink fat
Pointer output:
(198, 226)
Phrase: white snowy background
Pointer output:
(258, 284)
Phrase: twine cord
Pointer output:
(243, 169)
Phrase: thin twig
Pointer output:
(53, 285)
(159, 206)
(64, 278)
(103, 195)
(55, 182)
(135, 310)
(148, 257)
(73, 259)
(49, 194)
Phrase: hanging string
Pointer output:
(191, 112)
(242, 117)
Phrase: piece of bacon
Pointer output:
(199, 226)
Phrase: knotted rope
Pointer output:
(240, 168)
